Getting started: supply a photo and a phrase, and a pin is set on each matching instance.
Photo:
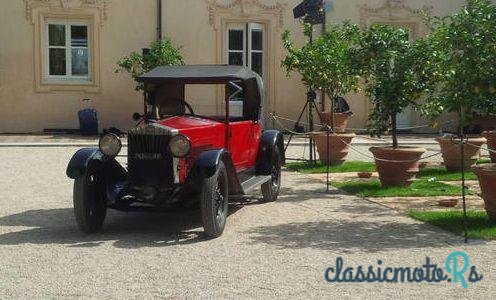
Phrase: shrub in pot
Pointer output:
(466, 59)
(395, 77)
(161, 53)
(466, 77)
(326, 65)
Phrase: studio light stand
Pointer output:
(313, 13)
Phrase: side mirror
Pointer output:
(137, 116)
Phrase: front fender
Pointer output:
(92, 157)
(81, 160)
(270, 140)
(207, 162)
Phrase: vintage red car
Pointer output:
(180, 157)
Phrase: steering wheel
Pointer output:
(188, 106)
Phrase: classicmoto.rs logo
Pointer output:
(456, 269)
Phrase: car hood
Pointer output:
(188, 122)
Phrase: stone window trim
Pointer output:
(250, 11)
(43, 15)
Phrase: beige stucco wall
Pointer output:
(130, 25)
(196, 25)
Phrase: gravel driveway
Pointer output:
(276, 250)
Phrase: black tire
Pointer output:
(214, 200)
(90, 206)
(270, 189)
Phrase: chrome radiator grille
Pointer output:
(149, 161)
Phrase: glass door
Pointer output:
(245, 46)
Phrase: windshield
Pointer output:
(206, 100)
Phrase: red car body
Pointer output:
(242, 142)
(181, 159)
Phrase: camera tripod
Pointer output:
(310, 105)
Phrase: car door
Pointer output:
(240, 140)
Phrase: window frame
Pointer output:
(248, 28)
(252, 27)
(237, 27)
(68, 78)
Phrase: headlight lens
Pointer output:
(110, 144)
(179, 146)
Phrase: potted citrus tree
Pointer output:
(395, 75)
(160, 53)
(326, 65)
(465, 57)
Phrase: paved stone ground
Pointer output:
(276, 250)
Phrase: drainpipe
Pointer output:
(159, 20)
(324, 24)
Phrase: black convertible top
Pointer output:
(198, 74)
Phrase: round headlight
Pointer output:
(179, 146)
(110, 144)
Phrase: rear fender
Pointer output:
(270, 140)
(207, 163)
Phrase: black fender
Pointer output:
(207, 163)
(113, 174)
(269, 141)
(92, 158)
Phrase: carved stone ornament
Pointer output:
(391, 10)
(101, 5)
(245, 8)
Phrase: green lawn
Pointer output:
(420, 188)
(441, 174)
(478, 227)
(484, 161)
(350, 166)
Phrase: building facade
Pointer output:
(54, 53)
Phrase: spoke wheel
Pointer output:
(90, 206)
(214, 202)
(270, 189)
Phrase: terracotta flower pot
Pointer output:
(338, 146)
(491, 143)
(448, 202)
(487, 181)
(340, 121)
(364, 175)
(394, 173)
(487, 123)
(452, 154)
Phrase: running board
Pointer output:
(255, 182)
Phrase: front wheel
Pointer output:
(214, 202)
(270, 189)
(90, 206)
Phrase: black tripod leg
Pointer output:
(297, 123)
(313, 155)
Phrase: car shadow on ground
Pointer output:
(351, 236)
(124, 229)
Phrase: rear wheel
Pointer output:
(90, 206)
(214, 202)
(270, 189)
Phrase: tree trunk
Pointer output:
(393, 131)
